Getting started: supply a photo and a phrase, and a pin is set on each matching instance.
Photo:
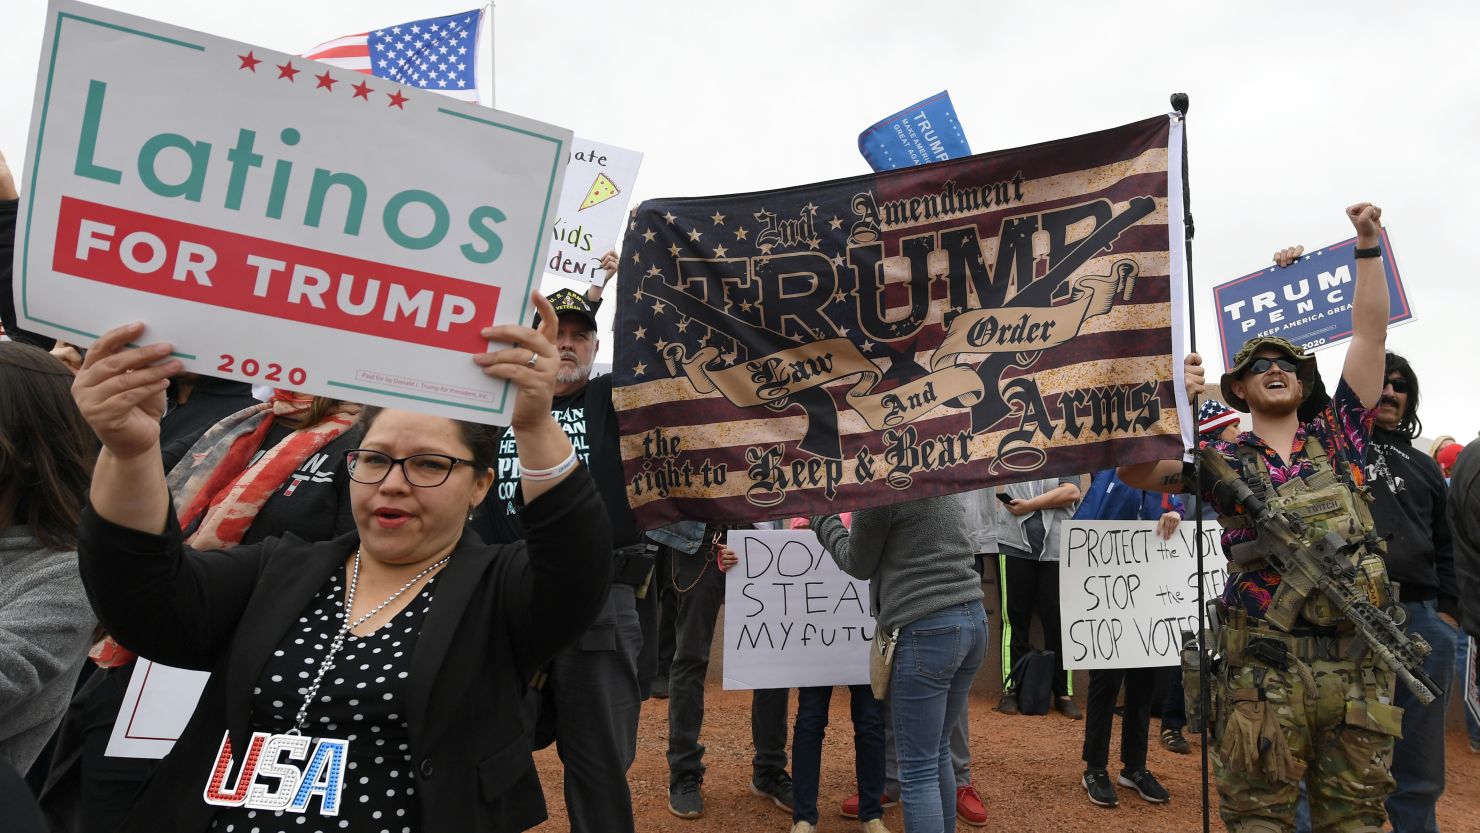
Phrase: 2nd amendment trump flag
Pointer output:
(998, 318)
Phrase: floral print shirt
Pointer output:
(1344, 428)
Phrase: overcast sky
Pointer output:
(1298, 109)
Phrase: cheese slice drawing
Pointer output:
(602, 190)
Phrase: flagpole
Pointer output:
(488, 13)
(1180, 104)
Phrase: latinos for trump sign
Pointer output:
(1308, 302)
(279, 221)
(998, 318)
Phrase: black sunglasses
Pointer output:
(1397, 383)
(1262, 365)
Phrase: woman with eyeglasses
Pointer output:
(371, 682)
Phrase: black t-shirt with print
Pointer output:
(498, 519)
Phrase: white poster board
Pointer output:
(156, 706)
(593, 208)
(1126, 595)
(279, 221)
(792, 618)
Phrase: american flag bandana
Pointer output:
(436, 54)
(992, 319)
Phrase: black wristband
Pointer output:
(1375, 251)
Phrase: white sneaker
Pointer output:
(802, 827)
(875, 826)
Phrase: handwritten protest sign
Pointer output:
(277, 220)
(593, 208)
(1126, 595)
(1308, 302)
(157, 704)
(792, 618)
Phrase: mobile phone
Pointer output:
(1004, 497)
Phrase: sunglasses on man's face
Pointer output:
(1397, 383)
(1261, 366)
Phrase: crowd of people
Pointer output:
(397, 610)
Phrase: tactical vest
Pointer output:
(1329, 503)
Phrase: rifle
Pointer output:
(1308, 560)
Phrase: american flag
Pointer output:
(437, 54)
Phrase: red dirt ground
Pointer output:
(1027, 769)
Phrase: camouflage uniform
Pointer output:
(1291, 705)
(1323, 719)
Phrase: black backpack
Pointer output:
(1031, 679)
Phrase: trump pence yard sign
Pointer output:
(278, 220)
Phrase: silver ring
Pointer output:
(532, 356)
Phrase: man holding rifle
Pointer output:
(1307, 655)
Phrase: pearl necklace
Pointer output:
(339, 638)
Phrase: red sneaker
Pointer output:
(969, 806)
(849, 810)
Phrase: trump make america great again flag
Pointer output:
(998, 318)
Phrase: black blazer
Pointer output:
(498, 614)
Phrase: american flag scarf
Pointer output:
(220, 482)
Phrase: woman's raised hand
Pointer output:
(120, 390)
(530, 364)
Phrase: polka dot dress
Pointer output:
(362, 699)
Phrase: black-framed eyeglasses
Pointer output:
(1261, 366)
(1397, 383)
(422, 470)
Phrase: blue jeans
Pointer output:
(868, 750)
(1418, 757)
(937, 658)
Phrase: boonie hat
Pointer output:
(1305, 367)
(568, 300)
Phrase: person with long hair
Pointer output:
(46, 458)
(1410, 508)
(371, 682)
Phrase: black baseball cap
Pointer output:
(569, 301)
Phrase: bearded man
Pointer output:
(1290, 705)
(591, 696)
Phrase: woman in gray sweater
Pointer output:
(919, 559)
(45, 621)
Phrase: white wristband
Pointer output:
(553, 472)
